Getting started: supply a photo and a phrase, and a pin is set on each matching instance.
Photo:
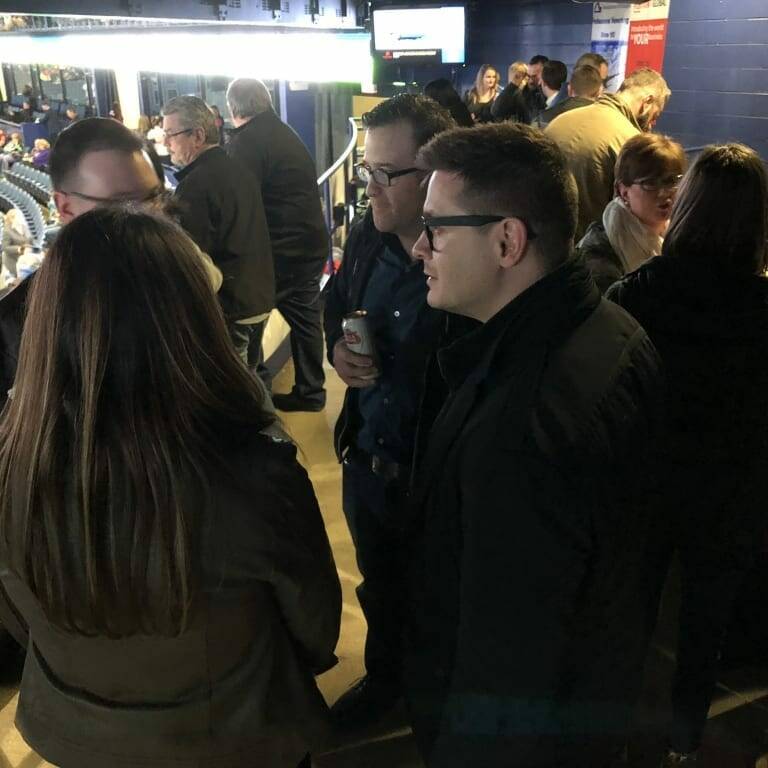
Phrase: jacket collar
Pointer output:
(542, 314)
(206, 156)
(614, 102)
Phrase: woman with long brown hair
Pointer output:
(163, 546)
(483, 93)
(704, 304)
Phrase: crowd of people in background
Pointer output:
(565, 390)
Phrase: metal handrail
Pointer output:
(343, 156)
(324, 183)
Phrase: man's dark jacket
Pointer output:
(544, 118)
(525, 641)
(276, 156)
(344, 294)
(711, 329)
(221, 209)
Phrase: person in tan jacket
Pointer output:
(592, 137)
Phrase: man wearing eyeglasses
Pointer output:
(221, 209)
(375, 431)
(526, 606)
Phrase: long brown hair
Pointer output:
(127, 389)
(720, 216)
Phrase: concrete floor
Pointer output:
(737, 735)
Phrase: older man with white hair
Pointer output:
(222, 210)
(274, 153)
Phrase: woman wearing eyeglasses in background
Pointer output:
(704, 304)
(648, 171)
(157, 534)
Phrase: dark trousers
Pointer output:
(707, 596)
(374, 509)
(243, 336)
(299, 304)
(710, 582)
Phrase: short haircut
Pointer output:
(649, 156)
(426, 117)
(647, 81)
(586, 81)
(720, 216)
(539, 58)
(193, 113)
(92, 134)
(554, 74)
(515, 170)
(592, 59)
(247, 97)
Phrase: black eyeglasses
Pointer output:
(477, 220)
(379, 175)
(178, 133)
(655, 185)
(156, 194)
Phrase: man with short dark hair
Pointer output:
(584, 87)
(525, 644)
(591, 138)
(596, 60)
(222, 210)
(522, 104)
(374, 435)
(554, 87)
(285, 171)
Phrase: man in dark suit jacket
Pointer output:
(285, 172)
(222, 210)
(529, 523)
(50, 120)
(585, 86)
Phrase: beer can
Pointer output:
(357, 333)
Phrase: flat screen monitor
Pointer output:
(434, 32)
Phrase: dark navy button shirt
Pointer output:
(405, 331)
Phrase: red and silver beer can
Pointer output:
(357, 333)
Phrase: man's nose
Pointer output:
(421, 249)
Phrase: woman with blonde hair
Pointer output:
(517, 74)
(157, 533)
(483, 93)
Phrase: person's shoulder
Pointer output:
(636, 288)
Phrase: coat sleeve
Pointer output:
(303, 573)
(525, 554)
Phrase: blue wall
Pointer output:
(716, 60)
(717, 67)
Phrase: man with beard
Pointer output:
(591, 138)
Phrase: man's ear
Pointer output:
(63, 203)
(514, 243)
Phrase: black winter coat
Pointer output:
(221, 209)
(711, 330)
(603, 262)
(526, 621)
(273, 152)
(236, 687)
